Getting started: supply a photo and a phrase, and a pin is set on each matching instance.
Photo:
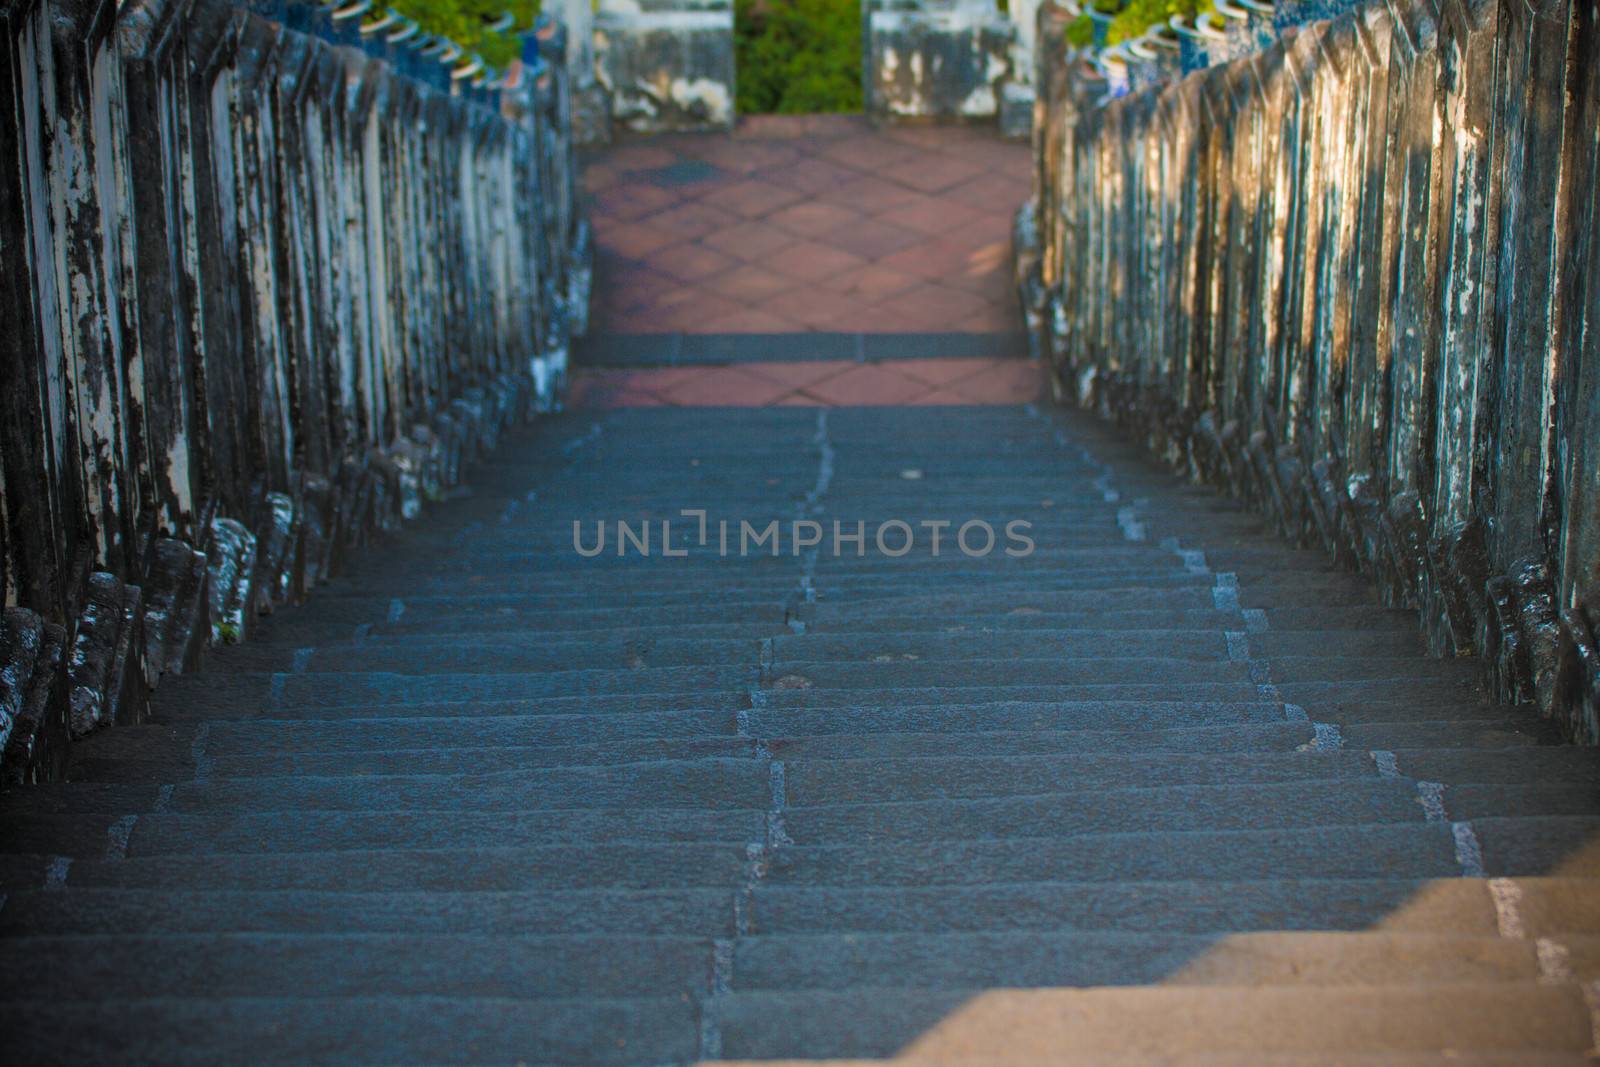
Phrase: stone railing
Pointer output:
(1352, 276)
(666, 64)
(274, 274)
(949, 59)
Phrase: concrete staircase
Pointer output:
(1165, 791)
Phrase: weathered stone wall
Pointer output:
(935, 59)
(270, 282)
(1353, 277)
(667, 64)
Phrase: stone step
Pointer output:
(1305, 805)
(1532, 846)
(1378, 699)
(832, 719)
(478, 653)
(464, 755)
(1037, 1025)
(345, 965)
(269, 737)
(548, 554)
(290, 1030)
(536, 651)
(846, 781)
(298, 630)
(795, 962)
(1548, 907)
(705, 784)
(517, 613)
(698, 913)
(1456, 905)
(681, 865)
(193, 706)
(1309, 805)
(1027, 600)
(291, 629)
(1402, 625)
(1199, 643)
(93, 836)
(1068, 670)
(1087, 738)
(264, 690)
(838, 777)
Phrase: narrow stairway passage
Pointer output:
(1160, 786)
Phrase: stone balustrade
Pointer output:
(1345, 267)
(275, 274)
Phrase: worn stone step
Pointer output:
(791, 695)
(483, 654)
(1467, 800)
(1060, 671)
(841, 781)
(573, 912)
(192, 705)
(1542, 765)
(884, 585)
(1026, 600)
(520, 613)
(801, 718)
(1183, 907)
(845, 780)
(200, 740)
(1516, 729)
(457, 753)
(1009, 618)
(543, 583)
(337, 1032)
(463, 755)
(1035, 958)
(1386, 700)
(93, 836)
(1037, 1025)
(1071, 811)
(680, 865)
(336, 689)
(343, 965)
(1509, 847)
(548, 554)
(703, 784)
(489, 597)
(1207, 642)
(1003, 621)
(1266, 737)
(283, 630)
(1066, 669)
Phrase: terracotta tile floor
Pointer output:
(814, 383)
(807, 223)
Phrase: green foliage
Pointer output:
(1140, 15)
(463, 21)
(1080, 32)
(798, 56)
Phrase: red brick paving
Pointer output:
(816, 383)
(806, 223)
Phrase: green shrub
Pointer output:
(463, 22)
(1140, 15)
(798, 56)
(1080, 32)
